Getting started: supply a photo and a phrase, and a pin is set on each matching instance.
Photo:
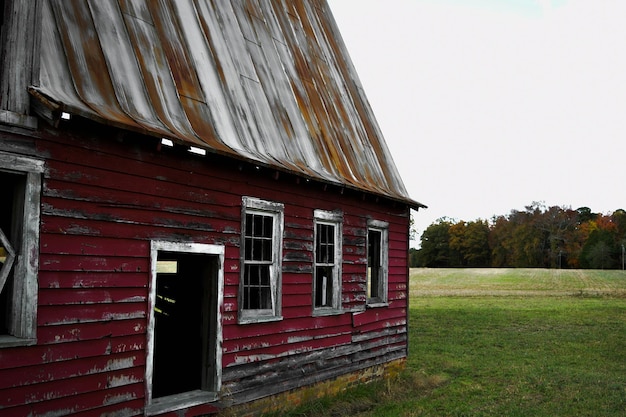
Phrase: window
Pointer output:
(259, 290)
(377, 262)
(184, 329)
(19, 248)
(327, 268)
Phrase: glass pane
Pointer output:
(324, 286)
(257, 250)
(267, 250)
(268, 226)
(374, 239)
(325, 248)
(257, 287)
(249, 221)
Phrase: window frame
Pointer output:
(23, 322)
(335, 219)
(252, 205)
(381, 299)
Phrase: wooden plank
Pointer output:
(74, 279)
(272, 353)
(287, 325)
(56, 223)
(126, 400)
(377, 315)
(31, 375)
(81, 313)
(104, 165)
(54, 390)
(76, 332)
(273, 340)
(88, 245)
(301, 370)
(19, 50)
(61, 297)
(53, 262)
(35, 355)
(80, 183)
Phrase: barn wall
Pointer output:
(105, 196)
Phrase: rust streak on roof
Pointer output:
(267, 81)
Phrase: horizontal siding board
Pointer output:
(61, 223)
(286, 326)
(126, 215)
(380, 334)
(41, 354)
(88, 245)
(77, 313)
(53, 390)
(305, 335)
(91, 279)
(31, 375)
(303, 369)
(377, 315)
(62, 297)
(90, 331)
(128, 400)
(71, 156)
(394, 322)
(182, 199)
(276, 352)
(54, 262)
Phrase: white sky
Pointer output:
(489, 105)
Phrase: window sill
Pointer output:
(7, 341)
(376, 304)
(180, 401)
(327, 312)
(261, 319)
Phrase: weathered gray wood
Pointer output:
(248, 376)
(17, 119)
(298, 379)
(23, 315)
(19, 63)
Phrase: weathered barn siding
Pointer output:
(105, 196)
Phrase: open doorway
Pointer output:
(184, 332)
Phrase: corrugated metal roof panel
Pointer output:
(269, 81)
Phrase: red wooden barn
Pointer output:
(198, 209)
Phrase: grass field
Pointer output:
(504, 342)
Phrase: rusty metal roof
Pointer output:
(268, 81)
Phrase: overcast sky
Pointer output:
(489, 105)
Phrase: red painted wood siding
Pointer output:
(105, 199)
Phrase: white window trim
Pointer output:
(23, 324)
(196, 397)
(382, 300)
(334, 218)
(252, 205)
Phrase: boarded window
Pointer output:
(259, 292)
(19, 247)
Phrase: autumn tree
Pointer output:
(470, 240)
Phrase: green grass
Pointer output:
(506, 342)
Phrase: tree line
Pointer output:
(536, 237)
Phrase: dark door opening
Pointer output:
(185, 322)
